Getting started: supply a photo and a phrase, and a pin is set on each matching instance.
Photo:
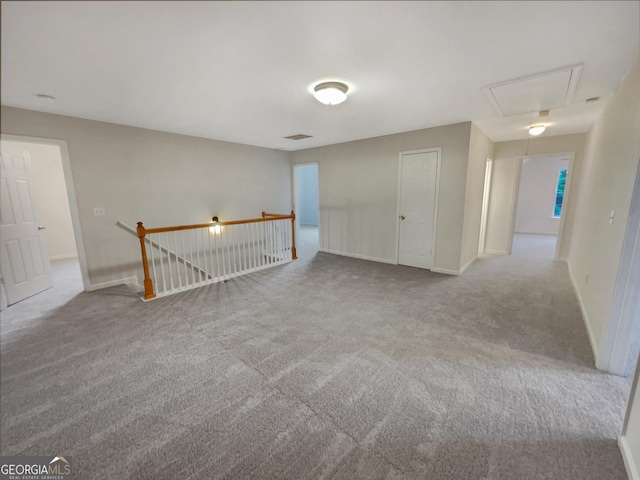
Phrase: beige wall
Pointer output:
(505, 178)
(480, 148)
(358, 193)
(606, 185)
(155, 177)
(49, 193)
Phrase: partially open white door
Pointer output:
(418, 187)
(24, 261)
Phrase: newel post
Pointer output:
(293, 236)
(148, 284)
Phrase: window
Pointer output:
(562, 179)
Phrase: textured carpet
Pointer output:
(327, 367)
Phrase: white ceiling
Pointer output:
(243, 71)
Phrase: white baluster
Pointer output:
(205, 244)
(178, 280)
(280, 241)
(191, 266)
(245, 246)
(236, 249)
(261, 244)
(228, 246)
(153, 262)
(252, 244)
(218, 254)
(164, 276)
(169, 262)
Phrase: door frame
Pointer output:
(71, 195)
(565, 202)
(625, 309)
(484, 215)
(296, 196)
(438, 150)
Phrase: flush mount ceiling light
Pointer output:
(330, 93)
(536, 130)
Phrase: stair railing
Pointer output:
(183, 257)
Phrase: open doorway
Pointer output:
(54, 201)
(305, 188)
(622, 345)
(538, 220)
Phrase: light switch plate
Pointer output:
(99, 212)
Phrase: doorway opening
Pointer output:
(621, 351)
(51, 190)
(538, 221)
(306, 206)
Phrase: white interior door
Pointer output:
(24, 261)
(418, 186)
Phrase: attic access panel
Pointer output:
(543, 91)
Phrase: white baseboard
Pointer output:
(63, 257)
(446, 271)
(393, 262)
(633, 470)
(496, 252)
(539, 233)
(129, 281)
(361, 257)
(135, 287)
(592, 341)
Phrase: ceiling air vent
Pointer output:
(298, 136)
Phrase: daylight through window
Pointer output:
(562, 179)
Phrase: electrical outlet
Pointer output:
(586, 279)
(99, 212)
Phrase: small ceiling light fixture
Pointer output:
(215, 228)
(330, 93)
(536, 130)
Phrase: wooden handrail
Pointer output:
(209, 225)
(142, 232)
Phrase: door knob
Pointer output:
(402, 217)
(41, 227)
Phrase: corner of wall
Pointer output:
(480, 148)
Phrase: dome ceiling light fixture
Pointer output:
(330, 93)
(536, 130)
